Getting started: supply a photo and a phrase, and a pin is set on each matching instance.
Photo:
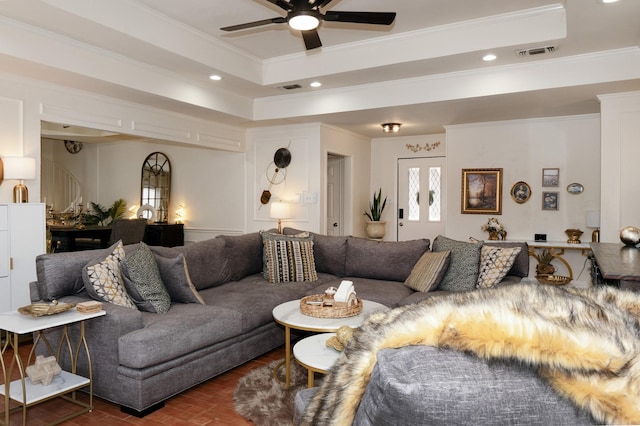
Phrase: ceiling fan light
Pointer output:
(391, 127)
(303, 20)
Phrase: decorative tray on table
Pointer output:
(323, 306)
(43, 309)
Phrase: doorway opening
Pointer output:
(336, 190)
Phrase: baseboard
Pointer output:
(140, 414)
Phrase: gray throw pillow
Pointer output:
(464, 263)
(175, 276)
(143, 281)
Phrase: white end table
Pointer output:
(23, 391)
(314, 355)
(289, 315)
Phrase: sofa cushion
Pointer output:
(288, 258)
(495, 263)
(423, 385)
(243, 255)
(175, 275)
(520, 266)
(143, 281)
(103, 278)
(462, 273)
(207, 262)
(428, 271)
(329, 252)
(383, 260)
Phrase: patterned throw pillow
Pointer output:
(143, 281)
(103, 280)
(288, 258)
(428, 271)
(495, 263)
(462, 273)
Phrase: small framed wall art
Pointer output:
(549, 200)
(550, 177)
(482, 191)
(521, 192)
(575, 188)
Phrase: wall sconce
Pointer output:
(279, 210)
(391, 127)
(180, 213)
(593, 221)
(19, 168)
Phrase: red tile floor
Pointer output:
(210, 403)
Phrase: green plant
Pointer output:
(376, 207)
(102, 216)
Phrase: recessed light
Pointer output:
(215, 77)
(489, 57)
(315, 84)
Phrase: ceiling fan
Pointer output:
(305, 15)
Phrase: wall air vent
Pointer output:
(290, 87)
(536, 51)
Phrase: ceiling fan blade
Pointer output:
(311, 39)
(282, 4)
(278, 20)
(321, 3)
(378, 18)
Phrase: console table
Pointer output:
(617, 264)
(556, 249)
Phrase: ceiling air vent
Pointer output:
(536, 51)
(290, 87)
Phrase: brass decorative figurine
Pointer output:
(574, 236)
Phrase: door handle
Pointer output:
(335, 225)
(401, 224)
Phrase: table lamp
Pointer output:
(593, 221)
(20, 168)
(279, 210)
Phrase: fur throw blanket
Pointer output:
(584, 342)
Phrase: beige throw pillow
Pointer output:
(495, 263)
(428, 271)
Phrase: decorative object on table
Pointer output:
(574, 235)
(43, 309)
(495, 229)
(482, 191)
(147, 212)
(553, 279)
(44, 370)
(550, 177)
(540, 237)
(630, 235)
(549, 200)
(19, 168)
(281, 160)
(340, 303)
(575, 188)
(521, 192)
(340, 340)
(261, 398)
(593, 221)
(103, 216)
(90, 307)
(376, 226)
(544, 266)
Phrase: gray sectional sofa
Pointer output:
(140, 359)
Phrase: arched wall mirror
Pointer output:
(155, 187)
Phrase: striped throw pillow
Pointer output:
(428, 271)
(288, 259)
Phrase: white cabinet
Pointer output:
(22, 238)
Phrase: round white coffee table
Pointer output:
(289, 315)
(314, 355)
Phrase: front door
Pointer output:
(335, 195)
(421, 201)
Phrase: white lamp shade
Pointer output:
(20, 168)
(593, 219)
(279, 210)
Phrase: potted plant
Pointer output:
(375, 226)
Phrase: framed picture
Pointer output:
(521, 192)
(482, 191)
(549, 200)
(550, 177)
(575, 188)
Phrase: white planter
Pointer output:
(376, 229)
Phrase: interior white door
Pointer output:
(335, 195)
(421, 198)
